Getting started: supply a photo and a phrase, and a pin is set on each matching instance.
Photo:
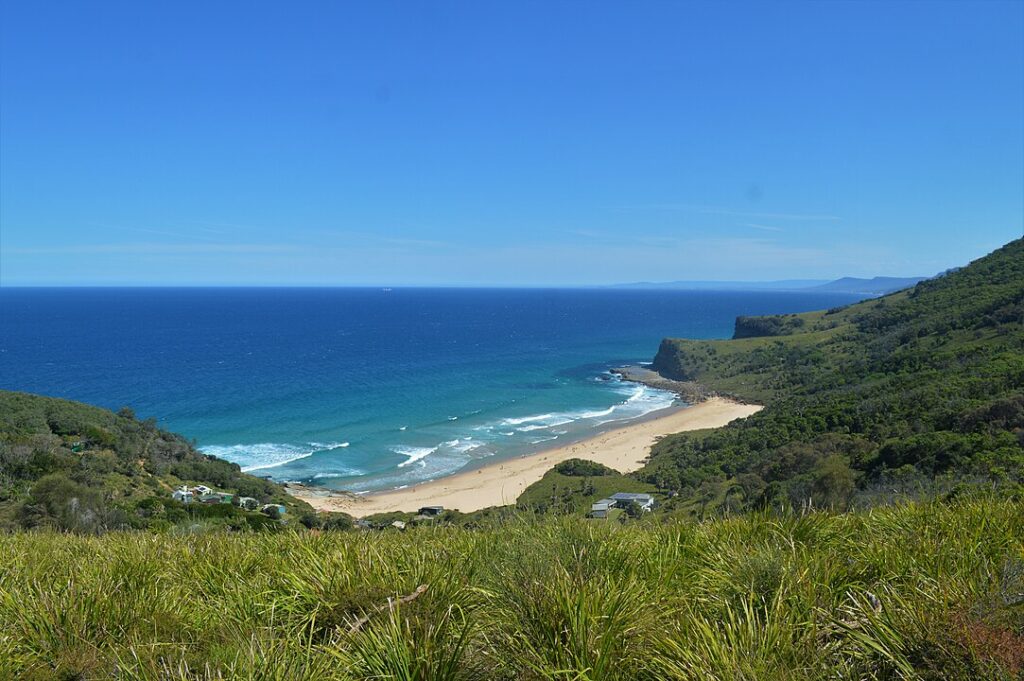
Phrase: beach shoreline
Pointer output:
(500, 483)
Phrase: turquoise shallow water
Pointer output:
(362, 388)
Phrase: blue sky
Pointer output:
(515, 143)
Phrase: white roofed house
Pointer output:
(247, 503)
(276, 511)
(644, 501)
(202, 489)
(599, 509)
(182, 495)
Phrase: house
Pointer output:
(274, 510)
(362, 524)
(202, 489)
(216, 498)
(431, 511)
(182, 495)
(398, 524)
(248, 503)
(600, 508)
(645, 501)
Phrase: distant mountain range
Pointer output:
(875, 286)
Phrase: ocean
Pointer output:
(362, 389)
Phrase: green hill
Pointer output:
(906, 394)
(918, 394)
(71, 466)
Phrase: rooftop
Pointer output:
(631, 496)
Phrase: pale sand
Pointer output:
(624, 449)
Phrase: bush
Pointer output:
(581, 468)
(57, 501)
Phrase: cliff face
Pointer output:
(670, 362)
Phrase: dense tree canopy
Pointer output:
(918, 390)
(76, 467)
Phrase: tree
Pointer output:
(834, 482)
(632, 509)
(58, 501)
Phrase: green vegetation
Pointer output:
(574, 492)
(772, 325)
(906, 412)
(71, 466)
(903, 396)
(581, 468)
(918, 591)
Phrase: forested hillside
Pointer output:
(914, 392)
(68, 465)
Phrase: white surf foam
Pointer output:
(327, 446)
(260, 455)
(324, 476)
(462, 445)
(525, 419)
(414, 454)
(596, 414)
(255, 457)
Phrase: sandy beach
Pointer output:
(624, 449)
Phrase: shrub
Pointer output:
(583, 469)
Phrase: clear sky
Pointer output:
(505, 143)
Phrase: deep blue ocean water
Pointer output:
(362, 388)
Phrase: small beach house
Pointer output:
(202, 489)
(274, 510)
(600, 508)
(182, 495)
(247, 503)
(644, 501)
(216, 498)
(431, 511)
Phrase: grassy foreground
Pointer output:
(929, 590)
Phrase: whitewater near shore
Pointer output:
(500, 483)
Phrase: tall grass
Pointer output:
(928, 591)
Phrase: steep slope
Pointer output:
(912, 391)
(73, 466)
(875, 286)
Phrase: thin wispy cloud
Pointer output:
(158, 249)
(718, 210)
(810, 217)
(346, 238)
(763, 228)
(164, 232)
